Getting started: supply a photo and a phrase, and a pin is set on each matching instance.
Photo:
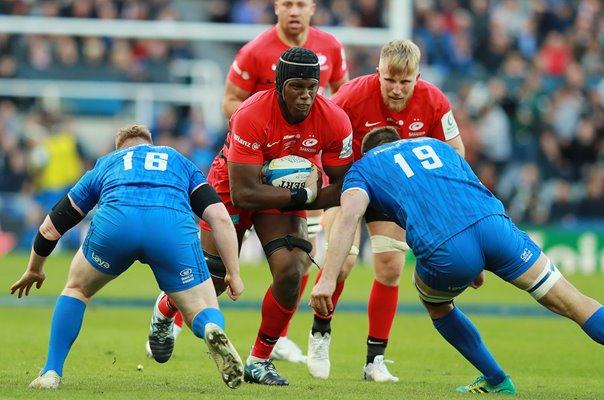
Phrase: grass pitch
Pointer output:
(547, 356)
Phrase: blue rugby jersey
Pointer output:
(143, 175)
(426, 186)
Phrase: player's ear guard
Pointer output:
(64, 216)
(202, 197)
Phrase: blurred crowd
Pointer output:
(525, 79)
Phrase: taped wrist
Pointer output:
(42, 246)
(64, 216)
(202, 197)
(300, 196)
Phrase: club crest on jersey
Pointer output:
(310, 142)
(416, 126)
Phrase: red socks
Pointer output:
(381, 309)
(168, 309)
(274, 320)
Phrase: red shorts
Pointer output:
(243, 219)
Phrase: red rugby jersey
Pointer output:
(428, 112)
(254, 66)
(259, 133)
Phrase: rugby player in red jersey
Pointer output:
(253, 70)
(393, 96)
(290, 119)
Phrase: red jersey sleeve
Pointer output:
(242, 72)
(340, 67)
(247, 134)
(444, 127)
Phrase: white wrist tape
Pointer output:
(310, 196)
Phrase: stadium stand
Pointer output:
(525, 79)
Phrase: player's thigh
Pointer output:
(242, 220)
(388, 244)
(173, 251)
(509, 252)
(208, 244)
(113, 239)
(83, 279)
(275, 227)
(454, 264)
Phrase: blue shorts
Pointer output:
(165, 239)
(494, 243)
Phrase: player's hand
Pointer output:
(313, 182)
(479, 281)
(235, 286)
(27, 281)
(320, 297)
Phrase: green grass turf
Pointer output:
(547, 356)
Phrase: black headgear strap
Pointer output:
(297, 63)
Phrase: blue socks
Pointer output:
(461, 333)
(594, 326)
(64, 329)
(212, 315)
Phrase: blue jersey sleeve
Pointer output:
(197, 177)
(87, 192)
(355, 180)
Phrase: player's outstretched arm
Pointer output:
(329, 196)
(352, 208)
(64, 216)
(225, 237)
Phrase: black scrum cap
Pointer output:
(296, 63)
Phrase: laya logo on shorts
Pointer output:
(526, 255)
(186, 275)
(100, 262)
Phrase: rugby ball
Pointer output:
(289, 172)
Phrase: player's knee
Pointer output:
(287, 282)
(217, 272)
(437, 311)
(544, 282)
(431, 298)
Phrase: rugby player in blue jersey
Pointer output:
(456, 229)
(145, 195)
